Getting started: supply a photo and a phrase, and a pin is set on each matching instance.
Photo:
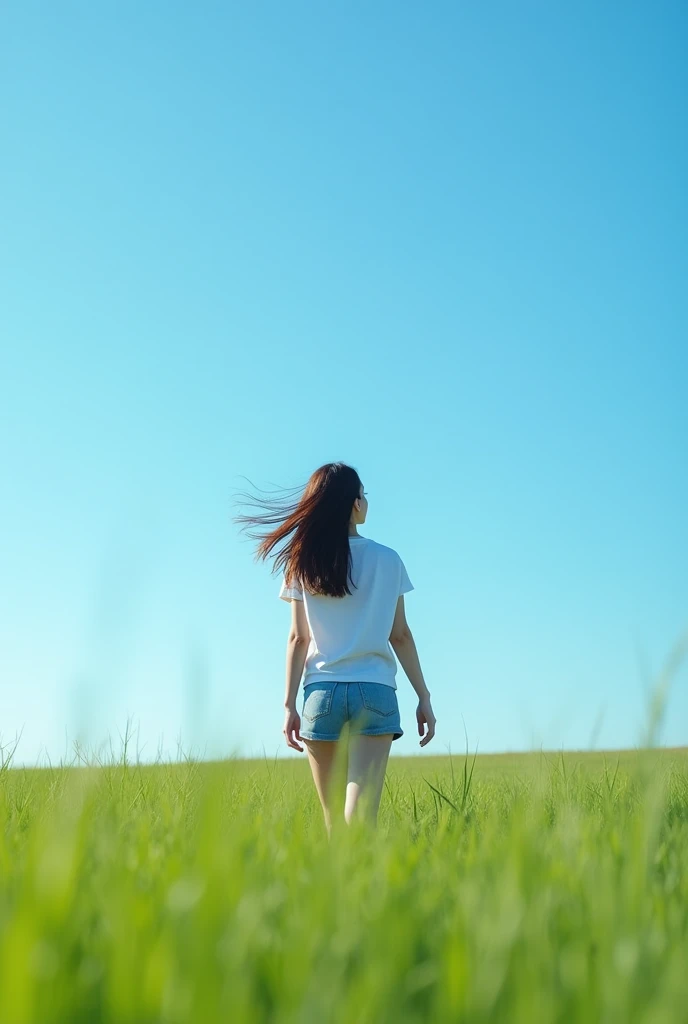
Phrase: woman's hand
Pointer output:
(292, 724)
(425, 716)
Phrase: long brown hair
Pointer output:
(318, 555)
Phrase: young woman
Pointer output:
(347, 623)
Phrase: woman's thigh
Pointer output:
(368, 757)
(322, 759)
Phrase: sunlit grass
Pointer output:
(542, 887)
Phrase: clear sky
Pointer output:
(442, 242)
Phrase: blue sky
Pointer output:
(441, 242)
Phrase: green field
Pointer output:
(516, 888)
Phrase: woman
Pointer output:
(347, 623)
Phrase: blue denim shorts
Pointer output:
(371, 709)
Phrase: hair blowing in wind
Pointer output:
(313, 531)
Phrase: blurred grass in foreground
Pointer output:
(543, 887)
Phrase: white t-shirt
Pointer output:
(350, 634)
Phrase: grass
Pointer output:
(515, 888)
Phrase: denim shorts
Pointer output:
(371, 709)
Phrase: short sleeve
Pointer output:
(404, 582)
(287, 593)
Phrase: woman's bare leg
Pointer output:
(322, 755)
(366, 775)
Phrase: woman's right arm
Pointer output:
(404, 646)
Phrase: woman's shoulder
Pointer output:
(384, 550)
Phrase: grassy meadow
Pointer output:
(514, 888)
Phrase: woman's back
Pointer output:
(350, 634)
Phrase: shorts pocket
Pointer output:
(317, 702)
(379, 698)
